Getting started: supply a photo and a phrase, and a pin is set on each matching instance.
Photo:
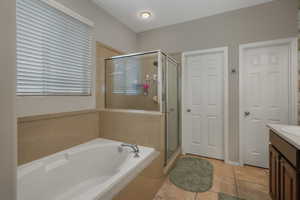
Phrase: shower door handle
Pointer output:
(188, 110)
(171, 110)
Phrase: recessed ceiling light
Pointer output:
(145, 14)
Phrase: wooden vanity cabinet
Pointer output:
(274, 162)
(284, 169)
(288, 181)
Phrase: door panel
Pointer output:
(265, 98)
(204, 96)
(197, 125)
(212, 132)
(196, 91)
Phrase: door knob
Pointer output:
(188, 110)
(246, 113)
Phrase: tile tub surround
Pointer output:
(246, 182)
(135, 127)
(142, 128)
(142, 187)
(146, 183)
(40, 136)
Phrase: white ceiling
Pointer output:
(167, 12)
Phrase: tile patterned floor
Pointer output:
(247, 182)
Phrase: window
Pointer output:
(126, 77)
(53, 50)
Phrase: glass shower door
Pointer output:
(172, 111)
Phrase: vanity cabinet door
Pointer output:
(274, 173)
(288, 181)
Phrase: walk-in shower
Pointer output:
(146, 81)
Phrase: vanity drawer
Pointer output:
(290, 152)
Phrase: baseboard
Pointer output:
(233, 163)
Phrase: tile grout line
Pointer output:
(254, 183)
(235, 180)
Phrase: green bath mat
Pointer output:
(223, 196)
(192, 174)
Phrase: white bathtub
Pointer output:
(92, 171)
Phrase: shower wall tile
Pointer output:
(102, 52)
(137, 128)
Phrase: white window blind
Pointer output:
(53, 51)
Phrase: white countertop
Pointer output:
(292, 139)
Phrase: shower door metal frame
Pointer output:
(159, 72)
(160, 82)
(161, 91)
(168, 58)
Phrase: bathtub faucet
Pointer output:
(134, 147)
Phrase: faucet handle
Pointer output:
(137, 151)
(137, 147)
(134, 147)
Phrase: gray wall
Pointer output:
(108, 30)
(268, 21)
(274, 20)
(8, 158)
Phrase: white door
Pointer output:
(264, 90)
(203, 96)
